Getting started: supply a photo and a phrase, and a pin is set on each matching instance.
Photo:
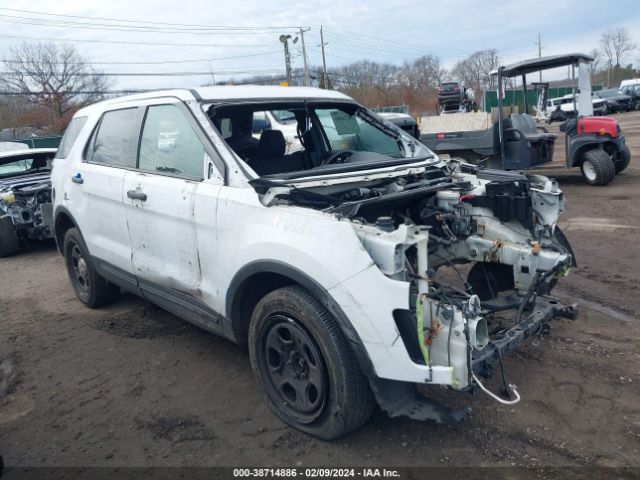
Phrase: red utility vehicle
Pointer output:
(594, 144)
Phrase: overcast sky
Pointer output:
(152, 37)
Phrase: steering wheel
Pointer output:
(332, 158)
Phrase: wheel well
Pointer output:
(611, 148)
(247, 296)
(62, 224)
(578, 156)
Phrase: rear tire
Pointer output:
(621, 159)
(91, 289)
(9, 241)
(308, 374)
(597, 167)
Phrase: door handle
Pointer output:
(137, 194)
(77, 178)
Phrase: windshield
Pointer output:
(16, 167)
(629, 90)
(450, 86)
(607, 93)
(324, 134)
(350, 132)
(361, 131)
(32, 163)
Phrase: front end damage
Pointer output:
(480, 251)
(26, 201)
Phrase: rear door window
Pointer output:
(169, 145)
(116, 140)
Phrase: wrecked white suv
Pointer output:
(327, 261)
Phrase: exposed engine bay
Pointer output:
(27, 202)
(25, 193)
(501, 224)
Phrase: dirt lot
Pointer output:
(132, 385)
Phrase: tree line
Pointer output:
(43, 84)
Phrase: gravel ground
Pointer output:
(131, 385)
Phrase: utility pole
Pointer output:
(325, 76)
(287, 58)
(307, 79)
(539, 43)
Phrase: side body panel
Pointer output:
(164, 249)
(97, 205)
(324, 249)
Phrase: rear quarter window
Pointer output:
(70, 136)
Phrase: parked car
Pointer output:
(323, 262)
(632, 82)
(567, 106)
(404, 121)
(615, 101)
(632, 91)
(26, 211)
(278, 120)
(454, 96)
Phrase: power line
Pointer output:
(159, 62)
(366, 41)
(77, 92)
(212, 27)
(344, 43)
(72, 40)
(126, 28)
(157, 74)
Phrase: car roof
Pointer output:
(395, 115)
(226, 93)
(542, 63)
(7, 146)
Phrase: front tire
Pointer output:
(621, 159)
(90, 288)
(309, 376)
(597, 167)
(9, 241)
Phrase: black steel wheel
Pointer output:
(294, 368)
(80, 270)
(90, 288)
(309, 376)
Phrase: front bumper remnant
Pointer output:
(544, 310)
(401, 399)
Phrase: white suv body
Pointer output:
(338, 257)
